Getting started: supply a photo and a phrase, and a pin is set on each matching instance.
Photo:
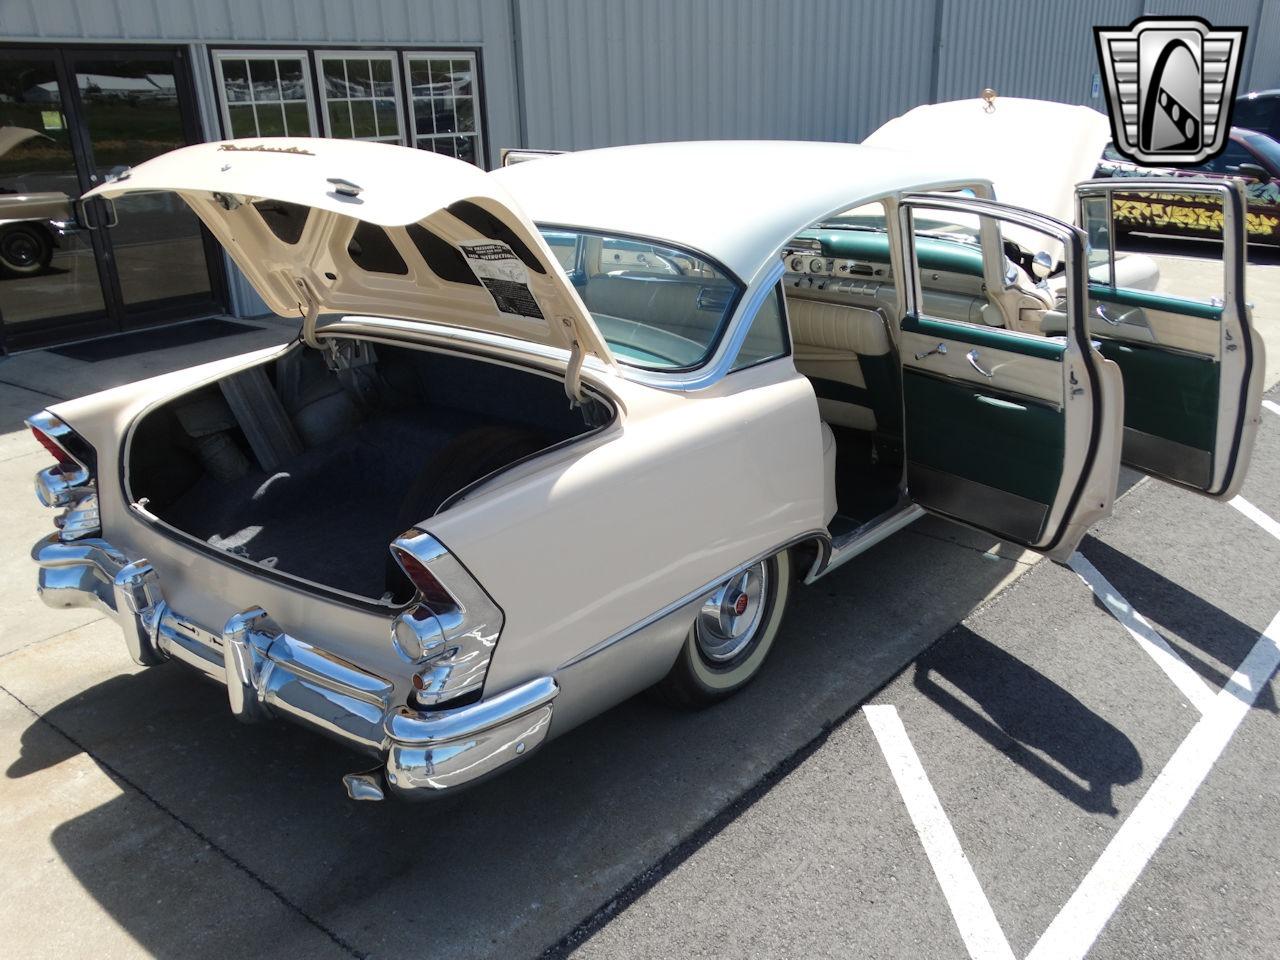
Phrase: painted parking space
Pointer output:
(1081, 768)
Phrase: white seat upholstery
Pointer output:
(828, 339)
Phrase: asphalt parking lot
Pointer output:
(955, 751)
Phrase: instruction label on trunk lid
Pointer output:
(504, 276)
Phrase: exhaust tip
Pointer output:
(364, 786)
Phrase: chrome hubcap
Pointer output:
(729, 618)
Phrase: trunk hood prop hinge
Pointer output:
(309, 307)
(573, 375)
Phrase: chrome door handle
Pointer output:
(972, 357)
(1101, 313)
(940, 349)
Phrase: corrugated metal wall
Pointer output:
(613, 71)
(598, 72)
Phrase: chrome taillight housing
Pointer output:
(69, 483)
(449, 629)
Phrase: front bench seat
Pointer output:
(846, 353)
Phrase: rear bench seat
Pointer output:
(846, 353)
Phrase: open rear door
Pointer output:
(1192, 363)
(1014, 433)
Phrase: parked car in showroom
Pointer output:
(548, 438)
(32, 222)
(1249, 156)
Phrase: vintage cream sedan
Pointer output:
(561, 432)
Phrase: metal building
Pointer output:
(88, 87)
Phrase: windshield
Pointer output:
(657, 307)
(1264, 147)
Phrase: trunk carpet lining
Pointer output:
(327, 515)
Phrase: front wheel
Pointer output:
(25, 249)
(731, 635)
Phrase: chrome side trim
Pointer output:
(821, 536)
(864, 538)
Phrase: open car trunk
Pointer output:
(312, 470)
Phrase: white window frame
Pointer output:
(477, 107)
(323, 54)
(224, 102)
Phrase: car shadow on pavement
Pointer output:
(513, 865)
(1183, 618)
(1025, 715)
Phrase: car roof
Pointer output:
(737, 201)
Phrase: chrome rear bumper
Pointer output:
(271, 674)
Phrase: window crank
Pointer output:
(940, 349)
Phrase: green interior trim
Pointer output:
(873, 247)
(1154, 301)
(993, 337)
(1010, 445)
(1169, 395)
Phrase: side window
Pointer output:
(767, 337)
(953, 286)
(1127, 260)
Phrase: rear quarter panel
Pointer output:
(682, 488)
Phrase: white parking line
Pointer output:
(1074, 930)
(1193, 687)
(1256, 515)
(978, 925)
(1271, 405)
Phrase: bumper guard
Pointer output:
(268, 674)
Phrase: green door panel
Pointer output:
(993, 337)
(1169, 395)
(1001, 442)
(1154, 301)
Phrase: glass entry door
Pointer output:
(76, 117)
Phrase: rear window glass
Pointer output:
(658, 307)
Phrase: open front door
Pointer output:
(1192, 363)
(1014, 433)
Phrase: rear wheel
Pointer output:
(25, 249)
(732, 634)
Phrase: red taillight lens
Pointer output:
(66, 462)
(432, 590)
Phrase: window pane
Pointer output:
(388, 122)
(335, 79)
(766, 339)
(657, 306)
(419, 77)
(445, 120)
(242, 124)
(235, 80)
(465, 114)
(297, 122)
(358, 81)
(292, 84)
(443, 145)
(265, 85)
(270, 120)
(462, 77)
(339, 119)
(424, 118)
(440, 74)
(466, 147)
(382, 83)
(362, 119)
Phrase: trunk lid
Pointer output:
(323, 226)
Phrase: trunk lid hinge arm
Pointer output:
(573, 375)
(309, 307)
